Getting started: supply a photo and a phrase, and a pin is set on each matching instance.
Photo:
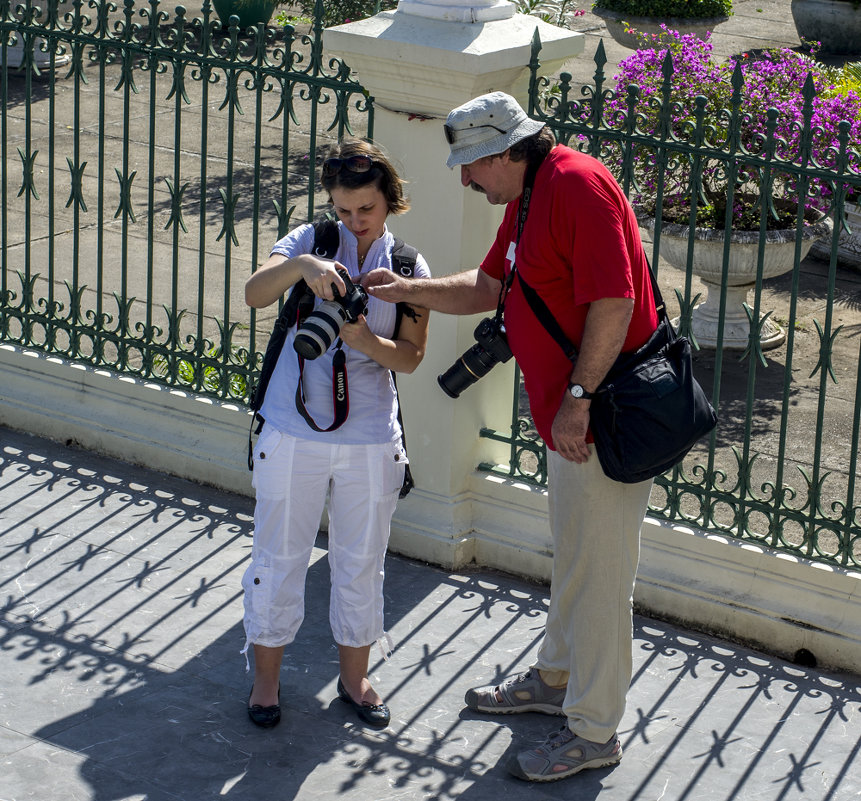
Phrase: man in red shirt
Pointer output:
(580, 250)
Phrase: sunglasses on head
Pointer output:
(451, 133)
(352, 163)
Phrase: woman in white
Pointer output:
(360, 464)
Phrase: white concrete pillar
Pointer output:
(418, 63)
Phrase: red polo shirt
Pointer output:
(580, 243)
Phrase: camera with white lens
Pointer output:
(323, 326)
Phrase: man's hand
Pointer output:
(462, 293)
(603, 336)
(386, 285)
(569, 429)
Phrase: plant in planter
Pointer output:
(846, 81)
(741, 195)
(255, 12)
(557, 12)
(626, 18)
(250, 12)
(344, 10)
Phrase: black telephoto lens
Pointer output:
(474, 364)
(323, 326)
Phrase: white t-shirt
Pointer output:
(373, 414)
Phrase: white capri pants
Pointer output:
(291, 479)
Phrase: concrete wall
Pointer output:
(738, 590)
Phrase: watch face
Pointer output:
(576, 390)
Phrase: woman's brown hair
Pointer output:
(382, 173)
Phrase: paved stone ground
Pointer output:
(122, 678)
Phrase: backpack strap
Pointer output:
(326, 238)
(404, 259)
(299, 304)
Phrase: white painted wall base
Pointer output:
(735, 589)
(137, 421)
(726, 587)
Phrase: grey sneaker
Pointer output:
(563, 754)
(525, 692)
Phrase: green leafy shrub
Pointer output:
(187, 373)
(557, 12)
(668, 9)
(844, 80)
(344, 10)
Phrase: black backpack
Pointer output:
(300, 303)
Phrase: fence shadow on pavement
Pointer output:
(120, 649)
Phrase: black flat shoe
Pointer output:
(376, 715)
(266, 717)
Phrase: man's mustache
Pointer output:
(477, 187)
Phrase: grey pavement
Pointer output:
(122, 677)
(755, 25)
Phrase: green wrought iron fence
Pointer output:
(146, 159)
(147, 162)
(781, 469)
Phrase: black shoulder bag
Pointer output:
(649, 410)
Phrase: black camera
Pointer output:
(323, 325)
(491, 348)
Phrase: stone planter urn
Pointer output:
(848, 244)
(250, 12)
(622, 26)
(41, 58)
(779, 258)
(836, 24)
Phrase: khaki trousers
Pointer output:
(588, 637)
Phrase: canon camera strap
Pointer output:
(340, 391)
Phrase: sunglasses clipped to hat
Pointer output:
(451, 134)
(486, 126)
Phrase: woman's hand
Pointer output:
(321, 274)
(278, 274)
(359, 337)
(403, 354)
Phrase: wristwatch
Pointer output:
(577, 391)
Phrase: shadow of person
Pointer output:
(120, 641)
(155, 733)
(146, 729)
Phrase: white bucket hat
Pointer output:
(485, 126)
